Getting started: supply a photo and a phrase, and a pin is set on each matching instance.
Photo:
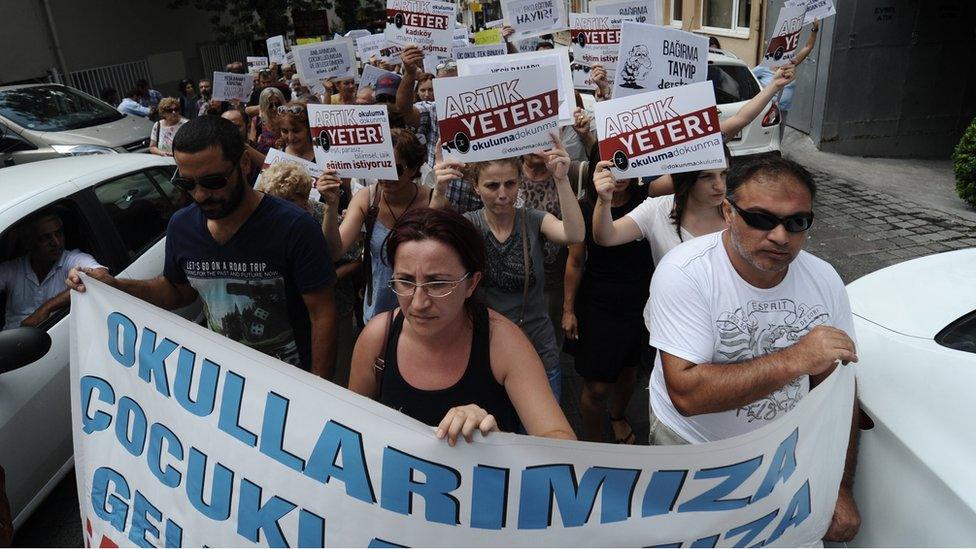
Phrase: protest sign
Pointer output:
(786, 36)
(816, 9)
(486, 50)
(184, 438)
(497, 23)
(228, 86)
(289, 58)
(488, 36)
(353, 139)
(369, 46)
(460, 36)
(426, 23)
(534, 17)
(558, 57)
(431, 62)
(275, 156)
(653, 57)
(659, 132)
(276, 49)
(333, 59)
(383, 82)
(357, 33)
(499, 115)
(643, 11)
(256, 64)
(595, 39)
(308, 40)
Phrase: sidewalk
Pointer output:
(929, 183)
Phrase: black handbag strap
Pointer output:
(525, 266)
(370, 222)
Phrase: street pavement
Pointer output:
(861, 225)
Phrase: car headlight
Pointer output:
(82, 150)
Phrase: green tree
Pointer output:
(234, 20)
(964, 165)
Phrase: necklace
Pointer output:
(396, 219)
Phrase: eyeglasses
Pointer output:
(294, 109)
(766, 222)
(212, 181)
(437, 288)
(170, 110)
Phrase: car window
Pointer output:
(960, 335)
(733, 83)
(162, 176)
(54, 108)
(138, 209)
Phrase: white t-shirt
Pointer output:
(701, 310)
(653, 217)
(163, 135)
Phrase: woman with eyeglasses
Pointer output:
(442, 357)
(296, 136)
(163, 131)
(515, 239)
(266, 134)
(375, 210)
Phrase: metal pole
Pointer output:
(54, 38)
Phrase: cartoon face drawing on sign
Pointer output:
(637, 65)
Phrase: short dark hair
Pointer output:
(767, 165)
(142, 83)
(412, 152)
(206, 131)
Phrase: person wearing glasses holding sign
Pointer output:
(260, 265)
(442, 357)
(746, 322)
(163, 131)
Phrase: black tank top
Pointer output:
(476, 386)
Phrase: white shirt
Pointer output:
(653, 217)
(131, 106)
(25, 294)
(702, 311)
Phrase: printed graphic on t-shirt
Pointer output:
(504, 263)
(246, 302)
(760, 328)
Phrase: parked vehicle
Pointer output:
(43, 121)
(115, 208)
(916, 336)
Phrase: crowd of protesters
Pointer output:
(450, 292)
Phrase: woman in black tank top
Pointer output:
(445, 359)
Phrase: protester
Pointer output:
(288, 72)
(605, 293)
(267, 130)
(425, 87)
(375, 210)
(296, 136)
(131, 104)
(273, 289)
(188, 100)
(164, 130)
(206, 92)
(110, 96)
(365, 96)
(300, 92)
(446, 359)
(515, 280)
(148, 97)
(747, 322)
(341, 92)
(765, 76)
(34, 282)
(247, 126)
(386, 88)
(267, 81)
(236, 67)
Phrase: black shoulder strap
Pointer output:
(371, 214)
(379, 364)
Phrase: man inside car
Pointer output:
(35, 281)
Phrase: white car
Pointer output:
(916, 338)
(115, 207)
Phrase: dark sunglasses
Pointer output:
(766, 222)
(297, 110)
(171, 110)
(212, 181)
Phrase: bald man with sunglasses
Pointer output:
(747, 322)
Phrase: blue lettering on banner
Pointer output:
(125, 353)
(220, 492)
(542, 484)
(489, 497)
(662, 492)
(141, 525)
(311, 529)
(99, 421)
(168, 476)
(152, 360)
(399, 487)
(336, 439)
(781, 467)
(796, 512)
(379, 543)
(107, 504)
(230, 410)
(273, 432)
(131, 426)
(709, 541)
(734, 475)
(203, 404)
(253, 516)
(751, 530)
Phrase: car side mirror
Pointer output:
(22, 346)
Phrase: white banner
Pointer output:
(534, 17)
(369, 46)
(659, 132)
(817, 9)
(426, 23)
(595, 39)
(353, 139)
(276, 49)
(786, 36)
(460, 36)
(228, 86)
(274, 156)
(185, 438)
(656, 58)
(643, 11)
(256, 64)
(497, 23)
(498, 115)
(333, 59)
(557, 57)
(473, 52)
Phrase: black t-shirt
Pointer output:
(629, 263)
(252, 286)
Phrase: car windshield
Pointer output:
(733, 83)
(960, 335)
(54, 108)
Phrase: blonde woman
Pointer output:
(164, 130)
(265, 132)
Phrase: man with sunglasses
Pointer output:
(260, 264)
(747, 322)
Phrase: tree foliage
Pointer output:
(964, 165)
(234, 20)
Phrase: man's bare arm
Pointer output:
(159, 291)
